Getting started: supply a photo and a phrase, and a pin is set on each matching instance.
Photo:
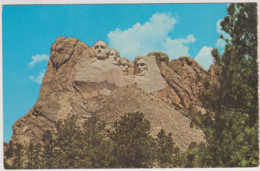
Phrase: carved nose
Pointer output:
(99, 51)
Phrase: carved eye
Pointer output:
(96, 47)
(140, 64)
(112, 54)
(102, 47)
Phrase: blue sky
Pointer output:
(134, 30)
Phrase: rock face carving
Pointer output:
(83, 81)
(124, 65)
(141, 67)
(147, 75)
(101, 50)
(114, 56)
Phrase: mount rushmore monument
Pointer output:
(87, 80)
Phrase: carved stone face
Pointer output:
(114, 56)
(101, 49)
(124, 64)
(141, 67)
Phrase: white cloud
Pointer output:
(220, 31)
(38, 58)
(204, 57)
(220, 44)
(149, 37)
(38, 79)
(219, 28)
(177, 47)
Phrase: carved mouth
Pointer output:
(125, 72)
(115, 62)
(101, 55)
(142, 70)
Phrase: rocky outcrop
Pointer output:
(82, 80)
(57, 86)
(185, 78)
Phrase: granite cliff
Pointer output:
(82, 81)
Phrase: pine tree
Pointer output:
(47, 156)
(166, 151)
(239, 78)
(30, 155)
(18, 154)
(10, 150)
(134, 147)
(97, 146)
(231, 131)
(67, 145)
(33, 155)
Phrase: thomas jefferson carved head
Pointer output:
(114, 56)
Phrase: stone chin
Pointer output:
(125, 72)
(142, 72)
(115, 62)
(101, 56)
